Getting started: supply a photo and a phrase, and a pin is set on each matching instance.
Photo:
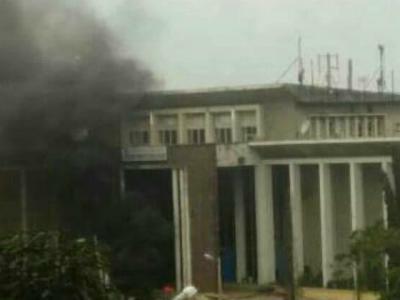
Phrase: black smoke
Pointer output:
(62, 75)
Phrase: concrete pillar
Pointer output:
(357, 197)
(264, 224)
(177, 228)
(297, 218)
(185, 228)
(240, 227)
(183, 249)
(387, 168)
(327, 222)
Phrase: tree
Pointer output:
(51, 265)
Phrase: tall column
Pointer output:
(240, 226)
(327, 222)
(265, 224)
(177, 228)
(185, 229)
(387, 169)
(297, 218)
(357, 197)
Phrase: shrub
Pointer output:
(50, 265)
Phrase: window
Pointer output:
(167, 126)
(248, 133)
(168, 137)
(223, 135)
(196, 136)
(247, 124)
(138, 137)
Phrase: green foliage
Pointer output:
(140, 238)
(368, 254)
(49, 265)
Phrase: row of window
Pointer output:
(194, 136)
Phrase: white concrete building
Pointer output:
(323, 151)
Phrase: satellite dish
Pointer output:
(305, 127)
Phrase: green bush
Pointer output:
(368, 250)
(50, 265)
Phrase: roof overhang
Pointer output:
(326, 148)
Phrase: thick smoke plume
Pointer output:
(61, 74)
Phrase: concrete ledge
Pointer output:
(330, 294)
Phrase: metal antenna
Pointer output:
(328, 71)
(300, 63)
(381, 80)
(319, 68)
(392, 81)
(312, 72)
(350, 75)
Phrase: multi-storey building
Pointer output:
(251, 150)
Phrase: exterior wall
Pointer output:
(200, 163)
(281, 119)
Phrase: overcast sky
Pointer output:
(210, 43)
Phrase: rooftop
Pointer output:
(305, 94)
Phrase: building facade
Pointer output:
(323, 151)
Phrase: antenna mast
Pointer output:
(312, 72)
(350, 75)
(381, 80)
(300, 63)
(328, 71)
